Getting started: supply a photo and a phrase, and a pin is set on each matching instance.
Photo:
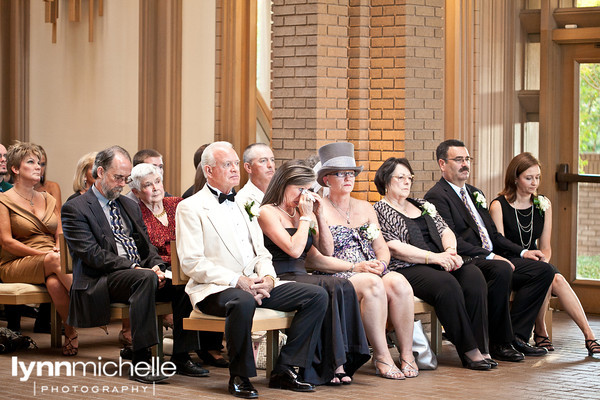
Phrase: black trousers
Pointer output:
(238, 306)
(531, 280)
(460, 301)
(139, 288)
(498, 275)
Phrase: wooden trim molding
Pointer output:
(14, 64)
(160, 84)
(238, 103)
(264, 115)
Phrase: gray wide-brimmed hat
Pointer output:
(337, 156)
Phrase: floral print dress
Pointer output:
(352, 245)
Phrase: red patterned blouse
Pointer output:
(160, 235)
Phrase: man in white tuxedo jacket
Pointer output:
(220, 247)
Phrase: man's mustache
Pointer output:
(463, 169)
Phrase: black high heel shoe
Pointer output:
(592, 346)
(480, 365)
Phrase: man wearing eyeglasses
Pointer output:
(259, 163)
(504, 264)
(115, 262)
(4, 185)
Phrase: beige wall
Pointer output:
(83, 96)
(197, 82)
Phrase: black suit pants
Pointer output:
(238, 306)
(137, 287)
(498, 275)
(460, 301)
(531, 280)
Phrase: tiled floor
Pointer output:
(567, 373)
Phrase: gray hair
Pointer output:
(208, 156)
(248, 155)
(140, 171)
(105, 158)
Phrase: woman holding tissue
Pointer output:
(293, 224)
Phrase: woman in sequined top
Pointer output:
(525, 218)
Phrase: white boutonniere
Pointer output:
(480, 199)
(541, 203)
(370, 231)
(252, 209)
(429, 209)
(312, 227)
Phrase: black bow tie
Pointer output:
(222, 196)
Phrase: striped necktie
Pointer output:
(485, 243)
(116, 224)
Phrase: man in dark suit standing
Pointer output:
(503, 263)
(114, 261)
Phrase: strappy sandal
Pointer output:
(543, 342)
(392, 373)
(341, 376)
(409, 371)
(68, 348)
(592, 346)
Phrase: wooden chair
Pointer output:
(26, 293)
(119, 311)
(264, 319)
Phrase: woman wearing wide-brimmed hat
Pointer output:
(361, 255)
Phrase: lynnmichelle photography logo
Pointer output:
(28, 371)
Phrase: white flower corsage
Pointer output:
(541, 203)
(429, 209)
(480, 199)
(252, 209)
(370, 231)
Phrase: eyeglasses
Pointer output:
(410, 178)
(460, 160)
(120, 178)
(343, 174)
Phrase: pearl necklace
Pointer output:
(288, 214)
(342, 213)
(528, 228)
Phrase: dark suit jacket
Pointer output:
(459, 219)
(94, 251)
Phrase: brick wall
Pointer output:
(588, 224)
(365, 71)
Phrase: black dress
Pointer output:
(512, 231)
(343, 340)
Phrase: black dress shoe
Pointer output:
(241, 387)
(481, 365)
(288, 379)
(209, 359)
(528, 349)
(149, 378)
(505, 352)
(190, 368)
(493, 363)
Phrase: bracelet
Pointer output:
(351, 270)
(305, 218)
(427, 257)
(384, 264)
(450, 247)
(269, 276)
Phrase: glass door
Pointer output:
(576, 227)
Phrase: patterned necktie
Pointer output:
(117, 227)
(484, 240)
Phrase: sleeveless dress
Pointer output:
(514, 233)
(352, 245)
(32, 231)
(343, 340)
